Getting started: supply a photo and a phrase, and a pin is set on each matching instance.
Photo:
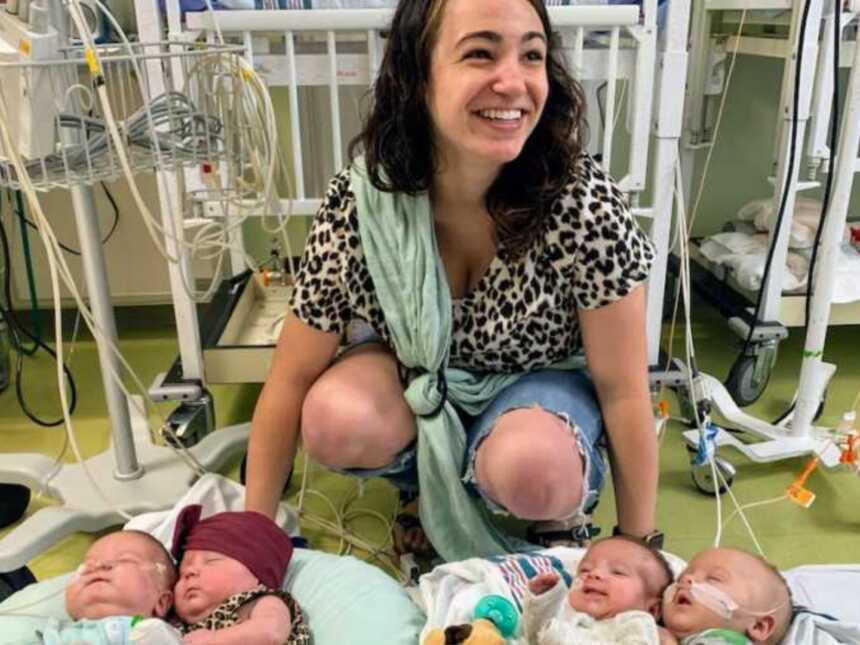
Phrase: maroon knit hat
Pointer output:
(249, 537)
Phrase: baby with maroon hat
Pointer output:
(231, 568)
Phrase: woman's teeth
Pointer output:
(501, 115)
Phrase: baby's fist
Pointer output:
(543, 582)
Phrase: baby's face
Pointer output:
(731, 572)
(206, 579)
(613, 577)
(119, 577)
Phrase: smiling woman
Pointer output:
(470, 166)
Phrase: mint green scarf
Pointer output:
(399, 243)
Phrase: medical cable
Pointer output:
(828, 185)
(250, 78)
(16, 330)
(721, 482)
(58, 267)
(687, 231)
(786, 189)
(340, 528)
(717, 123)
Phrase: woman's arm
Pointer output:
(616, 351)
(301, 355)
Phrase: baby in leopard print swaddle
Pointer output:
(225, 584)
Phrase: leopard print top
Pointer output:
(522, 315)
(227, 614)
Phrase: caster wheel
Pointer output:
(703, 477)
(15, 581)
(14, 499)
(243, 468)
(743, 383)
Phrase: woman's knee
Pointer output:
(346, 424)
(530, 464)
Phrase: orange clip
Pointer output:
(797, 493)
(663, 409)
(849, 455)
(265, 277)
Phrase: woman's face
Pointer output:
(488, 80)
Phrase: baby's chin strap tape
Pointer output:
(715, 599)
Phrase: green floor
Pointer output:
(790, 535)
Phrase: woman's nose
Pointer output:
(510, 79)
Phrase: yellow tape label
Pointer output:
(25, 46)
(92, 62)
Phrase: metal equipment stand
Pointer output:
(796, 436)
(139, 476)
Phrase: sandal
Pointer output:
(576, 532)
(407, 534)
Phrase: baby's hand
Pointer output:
(543, 582)
(199, 637)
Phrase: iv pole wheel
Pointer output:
(14, 500)
(703, 477)
(743, 383)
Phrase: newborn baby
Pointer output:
(118, 594)
(615, 597)
(728, 596)
(227, 592)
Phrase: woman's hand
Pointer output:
(543, 582)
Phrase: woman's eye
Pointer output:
(535, 56)
(479, 53)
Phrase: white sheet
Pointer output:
(823, 588)
(215, 494)
(745, 255)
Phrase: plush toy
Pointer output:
(495, 621)
(478, 632)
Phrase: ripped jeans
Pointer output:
(567, 394)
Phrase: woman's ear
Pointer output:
(761, 629)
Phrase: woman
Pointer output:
(474, 111)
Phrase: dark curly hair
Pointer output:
(397, 139)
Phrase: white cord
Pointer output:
(717, 123)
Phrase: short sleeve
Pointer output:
(320, 296)
(614, 255)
